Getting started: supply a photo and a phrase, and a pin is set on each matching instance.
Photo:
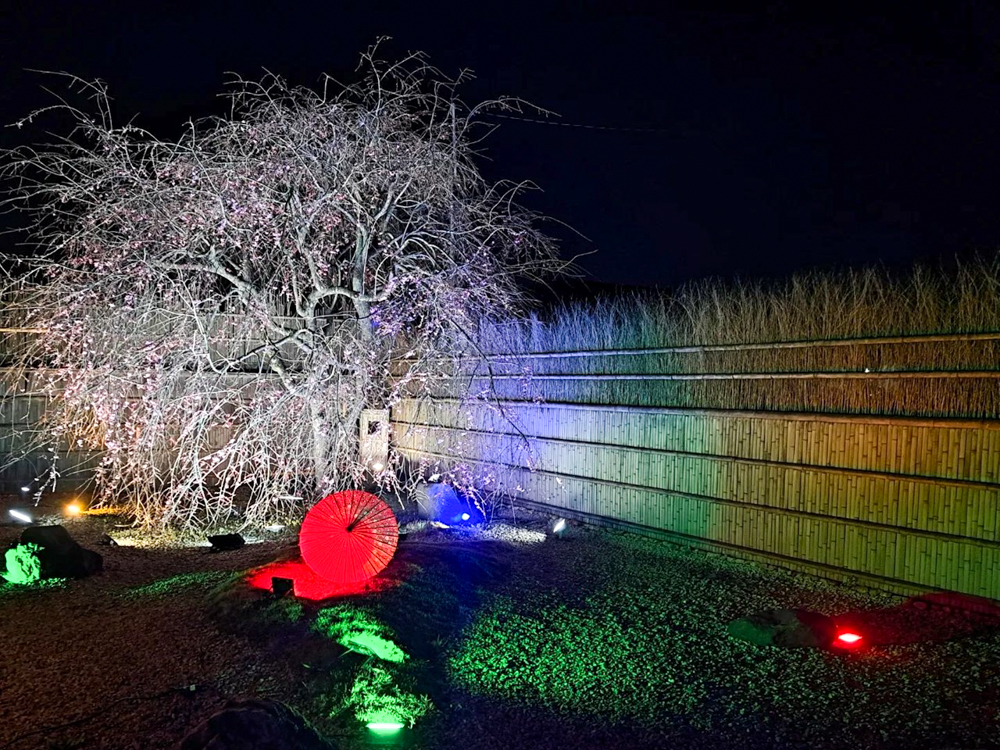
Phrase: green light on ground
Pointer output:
(380, 696)
(23, 565)
(373, 645)
(591, 658)
(376, 698)
(358, 631)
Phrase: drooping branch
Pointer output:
(221, 307)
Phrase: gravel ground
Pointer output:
(599, 639)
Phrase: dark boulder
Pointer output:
(255, 725)
(59, 554)
(434, 499)
(441, 502)
(788, 628)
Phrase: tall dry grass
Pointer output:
(815, 307)
(812, 306)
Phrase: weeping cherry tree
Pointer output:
(212, 313)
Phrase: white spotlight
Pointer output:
(21, 516)
(378, 466)
(26, 489)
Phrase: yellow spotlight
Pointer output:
(73, 509)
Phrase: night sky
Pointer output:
(734, 140)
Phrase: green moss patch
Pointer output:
(22, 565)
(180, 583)
(359, 631)
(582, 659)
(377, 696)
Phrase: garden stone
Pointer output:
(788, 628)
(434, 498)
(60, 555)
(255, 725)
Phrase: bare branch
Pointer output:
(216, 311)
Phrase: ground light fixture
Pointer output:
(20, 515)
(281, 586)
(848, 639)
(385, 729)
(557, 528)
(73, 509)
(226, 542)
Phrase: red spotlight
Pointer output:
(307, 585)
(847, 639)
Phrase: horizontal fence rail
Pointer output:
(764, 345)
(894, 375)
(884, 468)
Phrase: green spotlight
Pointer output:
(384, 727)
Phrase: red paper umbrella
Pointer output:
(348, 536)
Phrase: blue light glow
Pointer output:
(450, 508)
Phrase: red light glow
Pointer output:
(308, 585)
(847, 640)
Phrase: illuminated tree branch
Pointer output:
(217, 310)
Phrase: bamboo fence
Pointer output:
(890, 477)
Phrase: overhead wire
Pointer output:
(583, 126)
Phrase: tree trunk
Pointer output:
(321, 444)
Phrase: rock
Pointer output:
(952, 601)
(788, 628)
(433, 498)
(255, 725)
(60, 555)
(226, 542)
(440, 502)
